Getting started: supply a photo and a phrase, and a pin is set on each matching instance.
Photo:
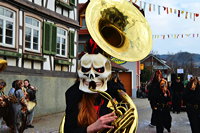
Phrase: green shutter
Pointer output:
(46, 38)
(49, 38)
(72, 2)
(54, 36)
(71, 44)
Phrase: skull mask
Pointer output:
(94, 67)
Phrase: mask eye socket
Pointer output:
(99, 70)
(83, 69)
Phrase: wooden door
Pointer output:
(126, 79)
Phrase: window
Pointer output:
(7, 27)
(83, 24)
(32, 34)
(61, 42)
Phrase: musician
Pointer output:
(12, 90)
(19, 108)
(191, 97)
(31, 96)
(2, 96)
(88, 112)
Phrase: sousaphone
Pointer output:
(121, 30)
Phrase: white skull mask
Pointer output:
(94, 67)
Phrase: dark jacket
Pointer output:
(73, 97)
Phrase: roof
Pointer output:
(158, 59)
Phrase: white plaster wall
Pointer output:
(73, 67)
(75, 13)
(52, 61)
(132, 68)
(51, 5)
(47, 63)
(20, 59)
(58, 10)
(11, 61)
(75, 51)
(38, 2)
(37, 65)
(65, 13)
(27, 64)
(71, 14)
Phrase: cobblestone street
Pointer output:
(50, 123)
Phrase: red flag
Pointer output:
(179, 12)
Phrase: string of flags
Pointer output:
(176, 36)
(153, 8)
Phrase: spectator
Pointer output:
(153, 88)
(31, 96)
(117, 82)
(177, 89)
(12, 90)
(191, 97)
(19, 108)
(2, 103)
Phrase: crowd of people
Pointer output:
(164, 97)
(17, 107)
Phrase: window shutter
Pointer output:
(72, 2)
(53, 37)
(46, 38)
(71, 44)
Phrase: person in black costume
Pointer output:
(153, 87)
(159, 97)
(87, 111)
(104, 113)
(191, 97)
(117, 82)
(177, 88)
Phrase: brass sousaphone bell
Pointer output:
(119, 28)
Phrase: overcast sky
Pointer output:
(171, 24)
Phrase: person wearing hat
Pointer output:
(177, 90)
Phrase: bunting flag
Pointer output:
(175, 36)
(168, 10)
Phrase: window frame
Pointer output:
(66, 41)
(14, 21)
(39, 33)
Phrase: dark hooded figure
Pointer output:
(177, 89)
(191, 96)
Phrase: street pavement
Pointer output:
(51, 123)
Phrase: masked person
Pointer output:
(191, 97)
(87, 111)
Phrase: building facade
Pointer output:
(39, 39)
